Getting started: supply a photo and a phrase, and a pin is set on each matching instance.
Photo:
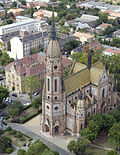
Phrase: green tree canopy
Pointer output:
(4, 93)
(37, 102)
(15, 109)
(5, 142)
(32, 84)
(112, 152)
(114, 134)
(78, 147)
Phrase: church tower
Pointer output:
(53, 99)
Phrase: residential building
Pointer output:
(36, 4)
(83, 37)
(103, 26)
(110, 51)
(33, 65)
(28, 25)
(117, 34)
(112, 14)
(44, 13)
(25, 43)
(16, 12)
(5, 39)
(88, 19)
(68, 103)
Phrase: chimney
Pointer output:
(22, 33)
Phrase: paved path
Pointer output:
(21, 128)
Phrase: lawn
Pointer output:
(103, 141)
(15, 140)
(96, 151)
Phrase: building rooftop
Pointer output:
(104, 25)
(9, 36)
(88, 18)
(79, 35)
(33, 65)
(115, 51)
(33, 36)
(20, 23)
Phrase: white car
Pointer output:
(7, 99)
(26, 104)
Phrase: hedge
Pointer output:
(27, 118)
(2, 105)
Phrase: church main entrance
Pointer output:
(56, 130)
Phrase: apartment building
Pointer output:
(28, 25)
(26, 42)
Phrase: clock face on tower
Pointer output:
(55, 67)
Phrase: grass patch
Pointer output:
(103, 141)
(96, 151)
(18, 138)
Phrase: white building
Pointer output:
(110, 51)
(28, 25)
(23, 45)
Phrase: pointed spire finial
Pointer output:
(53, 31)
(89, 63)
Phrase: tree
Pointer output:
(4, 93)
(36, 148)
(114, 134)
(112, 152)
(15, 109)
(78, 147)
(14, 4)
(5, 142)
(32, 84)
(91, 131)
(5, 59)
(21, 152)
(37, 102)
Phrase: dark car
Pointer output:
(4, 114)
(4, 123)
(15, 121)
(15, 95)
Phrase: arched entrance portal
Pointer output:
(56, 129)
(46, 128)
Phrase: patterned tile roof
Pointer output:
(81, 78)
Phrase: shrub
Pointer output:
(9, 150)
(21, 152)
(19, 135)
(12, 132)
(1, 132)
(2, 106)
(9, 128)
(22, 139)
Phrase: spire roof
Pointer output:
(53, 30)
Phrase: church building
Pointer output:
(67, 103)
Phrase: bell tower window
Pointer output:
(55, 85)
(48, 84)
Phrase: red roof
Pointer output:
(25, 6)
(33, 65)
(116, 51)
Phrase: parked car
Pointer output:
(10, 100)
(36, 93)
(15, 121)
(25, 104)
(4, 123)
(4, 114)
(7, 99)
(15, 95)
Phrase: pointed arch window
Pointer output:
(103, 93)
(55, 85)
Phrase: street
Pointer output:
(22, 129)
